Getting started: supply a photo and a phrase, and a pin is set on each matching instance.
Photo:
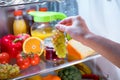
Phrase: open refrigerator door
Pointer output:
(93, 62)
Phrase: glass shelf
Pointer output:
(46, 67)
(6, 3)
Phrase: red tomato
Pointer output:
(35, 59)
(21, 55)
(4, 58)
(23, 62)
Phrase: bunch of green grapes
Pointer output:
(59, 43)
(8, 71)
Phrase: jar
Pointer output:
(44, 29)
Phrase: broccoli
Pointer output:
(70, 73)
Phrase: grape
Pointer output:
(59, 43)
(8, 71)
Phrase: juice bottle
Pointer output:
(19, 25)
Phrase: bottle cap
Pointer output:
(30, 10)
(43, 9)
(47, 16)
(18, 13)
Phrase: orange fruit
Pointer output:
(51, 77)
(48, 77)
(56, 78)
(33, 45)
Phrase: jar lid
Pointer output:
(47, 16)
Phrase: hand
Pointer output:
(75, 26)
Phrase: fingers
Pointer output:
(71, 21)
(66, 24)
(67, 21)
(62, 27)
(77, 20)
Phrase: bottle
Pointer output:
(19, 25)
(29, 20)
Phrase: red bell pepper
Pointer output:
(11, 45)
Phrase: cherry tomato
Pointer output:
(23, 62)
(21, 55)
(35, 59)
(4, 58)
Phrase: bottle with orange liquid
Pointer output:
(19, 25)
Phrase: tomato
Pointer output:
(4, 58)
(34, 59)
(19, 56)
(22, 55)
(23, 62)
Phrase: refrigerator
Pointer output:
(85, 8)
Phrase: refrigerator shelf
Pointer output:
(5, 3)
(46, 67)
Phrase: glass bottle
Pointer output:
(29, 20)
(19, 25)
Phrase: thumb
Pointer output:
(62, 27)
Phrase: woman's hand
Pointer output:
(75, 26)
